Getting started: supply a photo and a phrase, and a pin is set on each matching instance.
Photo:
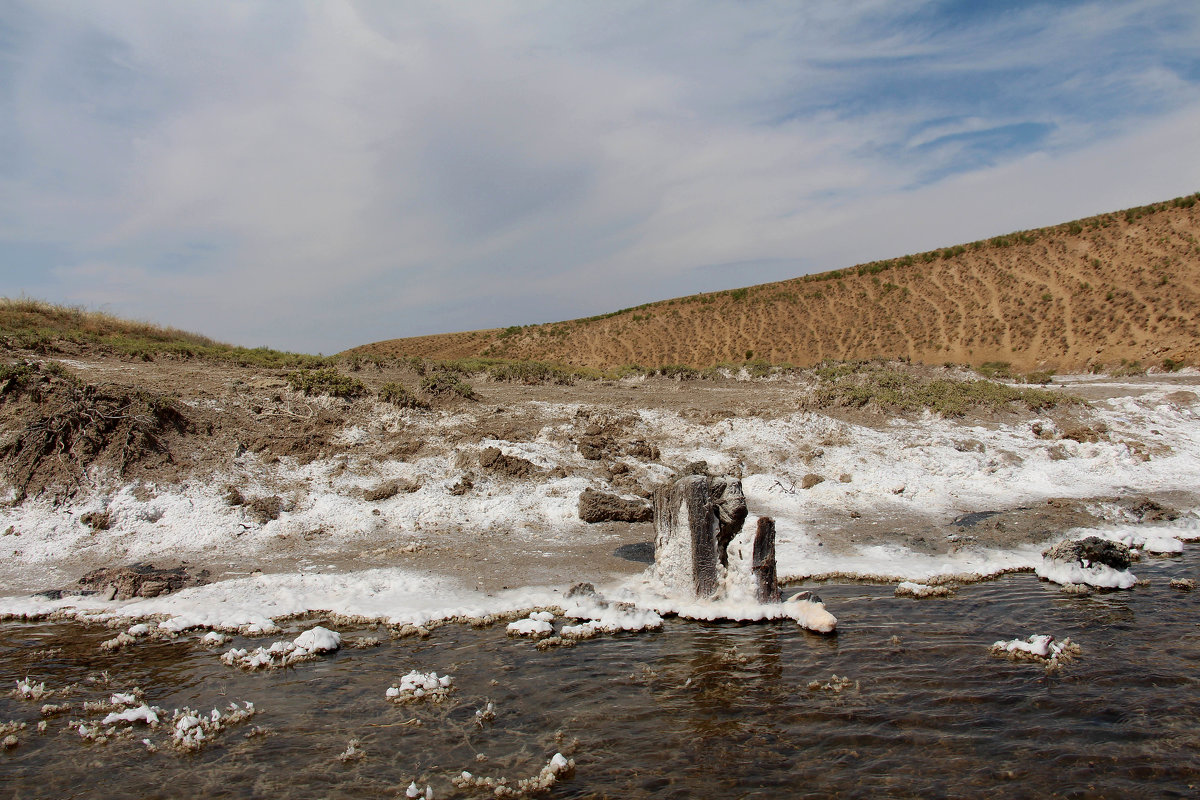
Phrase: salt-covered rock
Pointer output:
(911, 589)
(1039, 647)
(530, 627)
(421, 686)
(1092, 561)
(319, 640)
(809, 612)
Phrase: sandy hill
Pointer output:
(1112, 289)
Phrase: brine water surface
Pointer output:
(918, 707)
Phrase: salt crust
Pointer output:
(912, 467)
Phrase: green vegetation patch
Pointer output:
(399, 395)
(890, 387)
(326, 381)
(446, 384)
(28, 324)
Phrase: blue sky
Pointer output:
(314, 176)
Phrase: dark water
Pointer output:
(696, 710)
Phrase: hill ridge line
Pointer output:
(1111, 289)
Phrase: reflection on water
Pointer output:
(694, 710)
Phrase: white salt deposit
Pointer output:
(1148, 538)
(927, 467)
(1101, 576)
(530, 627)
(1039, 647)
(319, 640)
(420, 686)
(142, 713)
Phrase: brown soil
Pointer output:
(1101, 291)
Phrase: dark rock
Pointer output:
(695, 468)
(389, 489)
(590, 451)
(640, 552)
(96, 520)
(265, 509)
(583, 590)
(493, 460)
(1091, 550)
(1148, 510)
(233, 497)
(810, 480)
(640, 449)
(464, 485)
(139, 580)
(597, 506)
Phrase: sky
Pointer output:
(315, 176)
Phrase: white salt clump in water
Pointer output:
(531, 626)
(353, 752)
(558, 768)
(1039, 647)
(141, 629)
(192, 730)
(214, 639)
(911, 589)
(142, 713)
(1100, 576)
(123, 699)
(486, 714)
(116, 643)
(413, 792)
(282, 654)
(28, 690)
(809, 612)
(319, 640)
(421, 686)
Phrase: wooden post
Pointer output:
(762, 564)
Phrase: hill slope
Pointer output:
(1120, 287)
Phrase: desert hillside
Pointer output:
(1109, 290)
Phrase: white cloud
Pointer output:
(319, 176)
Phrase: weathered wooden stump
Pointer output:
(695, 519)
(685, 536)
(725, 494)
(762, 562)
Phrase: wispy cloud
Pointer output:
(320, 175)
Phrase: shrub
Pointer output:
(680, 372)
(398, 395)
(530, 372)
(891, 388)
(445, 383)
(995, 369)
(326, 381)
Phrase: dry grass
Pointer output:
(1120, 288)
(34, 325)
